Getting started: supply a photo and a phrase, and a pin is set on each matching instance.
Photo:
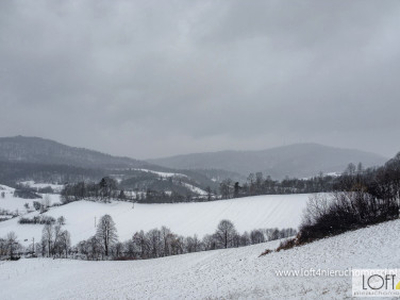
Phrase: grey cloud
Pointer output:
(152, 78)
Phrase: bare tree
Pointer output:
(48, 236)
(153, 238)
(106, 233)
(64, 242)
(140, 244)
(12, 244)
(46, 202)
(351, 169)
(226, 189)
(225, 234)
(166, 238)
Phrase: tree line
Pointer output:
(257, 184)
(108, 188)
(163, 242)
(105, 190)
(56, 242)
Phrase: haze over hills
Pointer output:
(33, 158)
(298, 160)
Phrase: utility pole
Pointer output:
(33, 246)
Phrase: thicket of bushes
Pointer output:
(37, 220)
(343, 212)
(368, 198)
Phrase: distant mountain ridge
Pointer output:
(37, 159)
(297, 160)
(44, 151)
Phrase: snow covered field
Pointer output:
(11, 203)
(221, 274)
(282, 211)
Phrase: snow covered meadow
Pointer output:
(220, 274)
(201, 218)
(235, 273)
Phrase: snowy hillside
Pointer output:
(195, 189)
(12, 204)
(223, 274)
(282, 211)
(162, 174)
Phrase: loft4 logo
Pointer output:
(376, 282)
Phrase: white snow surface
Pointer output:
(201, 218)
(222, 274)
(162, 174)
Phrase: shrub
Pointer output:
(267, 251)
(343, 212)
(36, 205)
(287, 244)
(37, 220)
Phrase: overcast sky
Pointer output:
(156, 78)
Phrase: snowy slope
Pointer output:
(222, 274)
(162, 174)
(195, 189)
(11, 203)
(202, 218)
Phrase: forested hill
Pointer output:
(44, 151)
(43, 160)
